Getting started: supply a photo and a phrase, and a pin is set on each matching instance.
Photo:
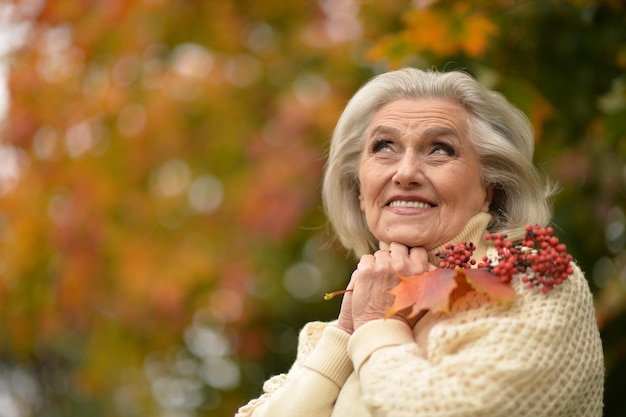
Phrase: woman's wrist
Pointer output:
(375, 335)
(344, 328)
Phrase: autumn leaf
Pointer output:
(437, 290)
(427, 291)
(490, 284)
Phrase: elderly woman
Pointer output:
(420, 159)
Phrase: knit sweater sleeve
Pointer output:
(311, 386)
(542, 356)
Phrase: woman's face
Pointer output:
(420, 176)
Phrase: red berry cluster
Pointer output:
(542, 259)
(457, 255)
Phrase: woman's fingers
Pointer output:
(408, 261)
(376, 274)
(366, 262)
(372, 279)
(418, 258)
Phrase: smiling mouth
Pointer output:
(409, 204)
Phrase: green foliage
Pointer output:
(162, 235)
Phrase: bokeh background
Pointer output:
(161, 233)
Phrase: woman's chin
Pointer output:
(410, 243)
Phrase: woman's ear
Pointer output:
(361, 202)
(488, 198)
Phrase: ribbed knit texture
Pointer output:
(330, 358)
(540, 357)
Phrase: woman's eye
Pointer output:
(443, 149)
(381, 146)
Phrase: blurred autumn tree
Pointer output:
(160, 226)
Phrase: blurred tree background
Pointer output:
(161, 233)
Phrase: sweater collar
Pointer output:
(474, 231)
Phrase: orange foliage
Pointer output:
(440, 31)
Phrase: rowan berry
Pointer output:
(457, 255)
(541, 258)
(540, 253)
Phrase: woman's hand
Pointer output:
(374, 276)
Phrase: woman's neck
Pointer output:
(474, 231)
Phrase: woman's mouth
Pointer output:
(409, 204)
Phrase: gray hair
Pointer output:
(502, 135)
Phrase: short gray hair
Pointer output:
(501, 133)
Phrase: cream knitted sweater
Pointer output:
(541, 356)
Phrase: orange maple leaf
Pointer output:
(490, 284)
(437, 290)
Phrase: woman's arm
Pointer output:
(312, 385)
(540, 357)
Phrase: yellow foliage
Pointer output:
(478, 31)
(439, 31)
(429, 30)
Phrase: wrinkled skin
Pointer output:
(374, 276)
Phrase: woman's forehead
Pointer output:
(430, 116)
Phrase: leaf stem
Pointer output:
(330, 295)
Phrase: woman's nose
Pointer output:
(408, 172)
